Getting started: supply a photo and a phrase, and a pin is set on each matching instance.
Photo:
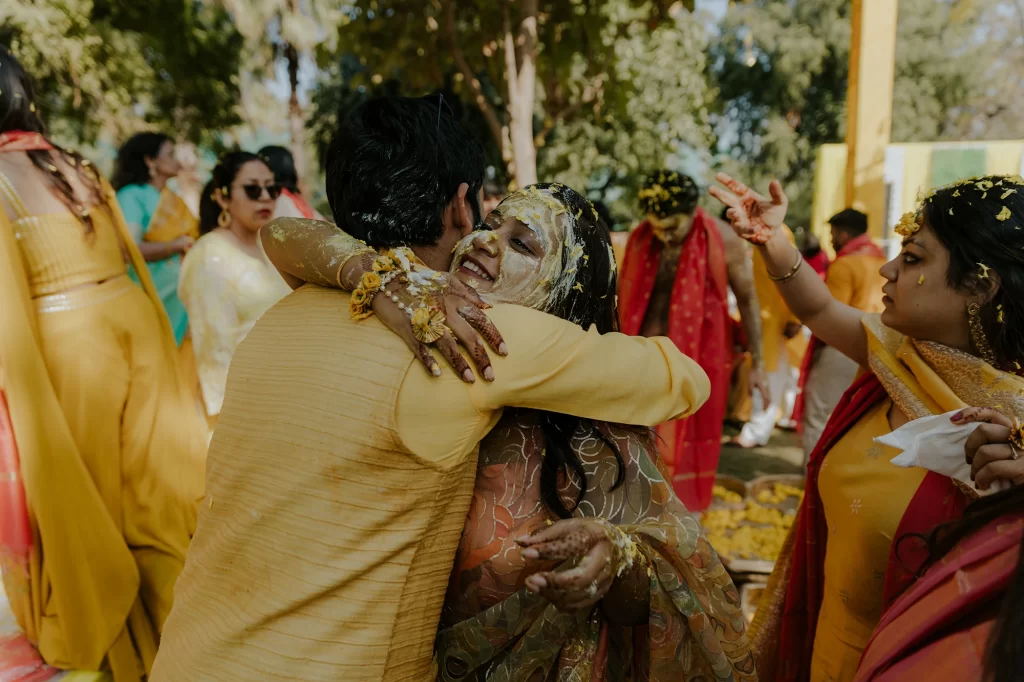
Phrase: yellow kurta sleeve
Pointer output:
(552, 365)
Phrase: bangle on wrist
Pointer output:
(791, 274)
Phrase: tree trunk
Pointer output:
(296, 118)
(521, 76)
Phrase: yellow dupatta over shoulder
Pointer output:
(925, 378)
(171, 219)
(75, 609)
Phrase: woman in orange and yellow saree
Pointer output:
(105, 466)
(951, 336)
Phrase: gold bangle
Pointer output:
(789, 275)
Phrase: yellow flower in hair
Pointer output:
(370, 281)
(983, 185)
(578, 287)
(1004, 215)
(984, 271)
(1008, 193)
(908, 224)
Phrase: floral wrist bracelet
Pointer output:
(384, 270)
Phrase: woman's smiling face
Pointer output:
(518, 257)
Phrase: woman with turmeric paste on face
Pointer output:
(553, 489)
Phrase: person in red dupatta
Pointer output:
(951, 337)
(674, 281)
(961, 619)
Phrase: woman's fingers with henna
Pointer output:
(732, 184)
(474, 345)
(423, 354)
(485, 327)
(969, 415)
(464, 291)
(450, 350)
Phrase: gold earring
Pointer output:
(224, 219)
(978, 334)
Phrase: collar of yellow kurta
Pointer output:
(925, 378)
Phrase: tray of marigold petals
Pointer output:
(748, 530)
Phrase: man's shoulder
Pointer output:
(315, 316)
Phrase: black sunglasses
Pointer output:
(254, 192)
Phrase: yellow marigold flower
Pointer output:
(1004, 215)
(370, 281)
(908, 224)
(421, 317)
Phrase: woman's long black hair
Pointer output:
(19, 112)
(1004, 658)
(224, 174)
(130, 167)
(986, 226)
(592, 304)
(282, 165)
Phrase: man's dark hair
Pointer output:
(851, 220)
(393, 167)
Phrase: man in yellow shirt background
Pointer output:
(854, 279)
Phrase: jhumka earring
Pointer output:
(978, 334)
(224, 219)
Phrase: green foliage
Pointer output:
(619, 82)
(781, 70)
(105, 65)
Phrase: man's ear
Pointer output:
(461, 219)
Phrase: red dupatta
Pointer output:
(698, 324)
(939, 629)
(803, 585)
(304, 208)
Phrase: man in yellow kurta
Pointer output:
(854, 279)
(340, 473)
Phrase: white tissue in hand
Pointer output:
(937, 444)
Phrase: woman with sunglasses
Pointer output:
(227, 283)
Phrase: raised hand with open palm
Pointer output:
(754, 216)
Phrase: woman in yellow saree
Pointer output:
(951, 336)
(108, 449)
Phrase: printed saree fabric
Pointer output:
(494, 629)
(921, 378)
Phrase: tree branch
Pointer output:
(484, 104)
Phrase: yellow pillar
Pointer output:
(869, 106)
